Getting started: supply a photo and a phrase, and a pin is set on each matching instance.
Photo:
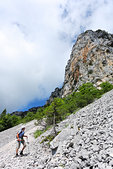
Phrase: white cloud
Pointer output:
(35, 43)
(91, 14)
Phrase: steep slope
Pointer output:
(85, 142)
(91, 60)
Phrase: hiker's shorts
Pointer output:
(19, 143)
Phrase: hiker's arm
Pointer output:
(25, 136)
(17, 135)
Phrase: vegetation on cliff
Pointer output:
(59, 109)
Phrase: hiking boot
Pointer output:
(21, 153)
(17, 155)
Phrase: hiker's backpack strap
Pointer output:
(18, 134)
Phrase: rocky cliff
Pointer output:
(91, 60)
(24, 113)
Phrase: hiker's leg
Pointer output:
(17, 150)
(24, 145)
(17, 146)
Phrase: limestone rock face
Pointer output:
(56, 93)
(91, 60)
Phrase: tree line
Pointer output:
(60, 108)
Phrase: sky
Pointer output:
(36, 39)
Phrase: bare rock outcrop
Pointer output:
(91, 60)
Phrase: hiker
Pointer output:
(20, 140)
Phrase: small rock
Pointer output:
(40, 167)
(2, 165)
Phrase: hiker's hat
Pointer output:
(23, 127)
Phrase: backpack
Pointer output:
(20, 134)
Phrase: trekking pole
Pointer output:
(28, 146)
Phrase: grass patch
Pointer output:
(37, 133)
(49, 138)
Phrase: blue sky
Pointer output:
(33, 103)
(36, 38)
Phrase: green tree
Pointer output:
(30, 116)
(106, 86)
(7, 121)
(70, 104)
(40, 114)
(54, 113)
(3, 113)
(1, 126)
(15, 120)
(80, 100)
(87, 93)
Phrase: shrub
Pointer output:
(1, 126)
(106, 86)
(15, 120)
(30, 116)
(54, 111)
(40, 114)
(59, 109)
(88, 93)
(38, 133)
(49, 138)
(6, 121)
